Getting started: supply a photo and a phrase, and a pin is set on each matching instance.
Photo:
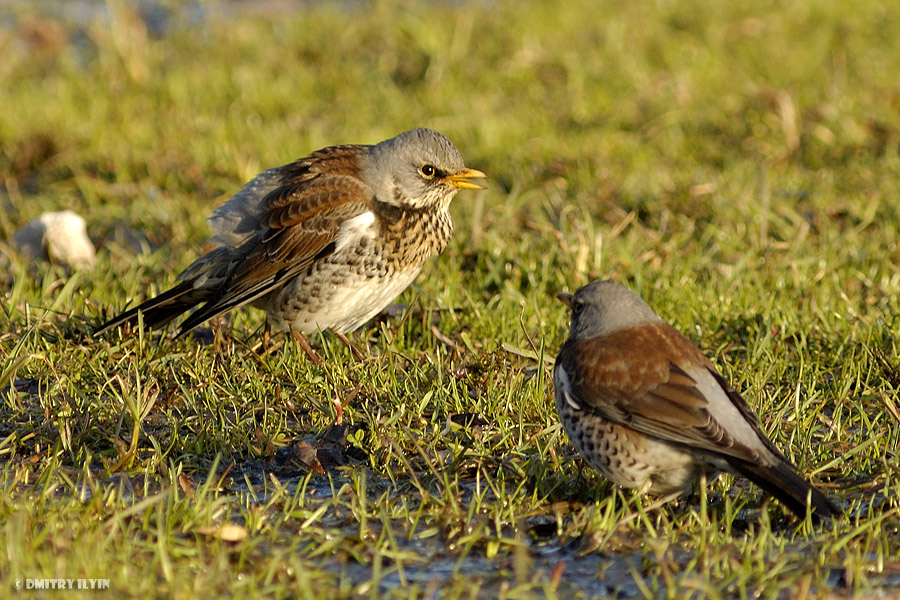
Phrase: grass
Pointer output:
(738, 165)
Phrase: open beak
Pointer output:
(565, 299)
(462, 179)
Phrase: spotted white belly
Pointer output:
(345, 307)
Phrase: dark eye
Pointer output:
(427, 171)
(577, 305)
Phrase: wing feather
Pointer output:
(646, 378)
(299, 225)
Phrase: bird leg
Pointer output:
(304, 344)
(357, 353)
(265, 346)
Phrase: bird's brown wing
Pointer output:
(299, 225)
(646, 378)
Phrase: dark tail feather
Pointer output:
(789, 487)
(158, 310)
(214, 308)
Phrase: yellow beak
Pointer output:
(461, 180)
(566, 299)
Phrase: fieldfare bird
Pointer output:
(325, 242)
(648, 410)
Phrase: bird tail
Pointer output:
(160, 309)
(788, 486)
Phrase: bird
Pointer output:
(643, 406)
(322, 243)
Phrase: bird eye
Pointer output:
(427, 171)
(577, 305)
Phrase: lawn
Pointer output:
(737, 164)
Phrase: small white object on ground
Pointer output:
(57, 237)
